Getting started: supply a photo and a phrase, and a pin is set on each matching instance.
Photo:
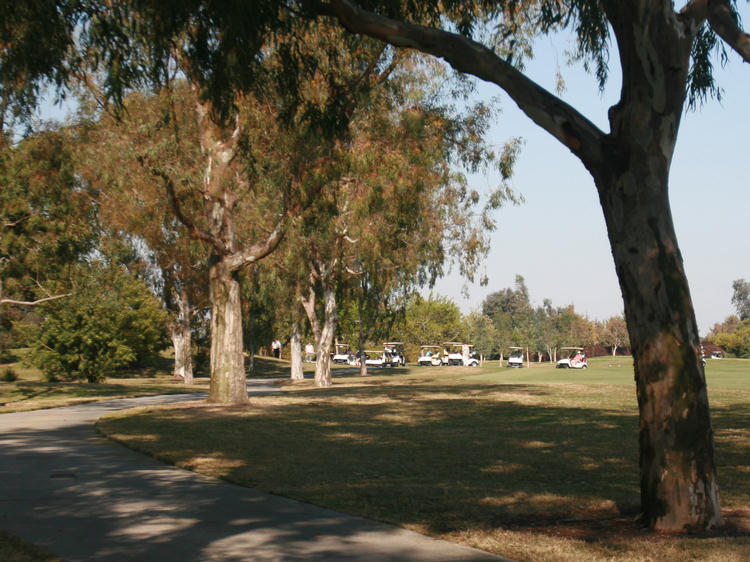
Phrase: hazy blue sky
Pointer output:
(557, 238)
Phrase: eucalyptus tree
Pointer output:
(243, 71)
(401, 208)
(665, 55)
(132, 202)
(741, 298)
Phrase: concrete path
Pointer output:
(65, 488)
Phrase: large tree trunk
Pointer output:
(679, 488)
(228, 382)
(295, 346)
(328, 331)
(181, 334)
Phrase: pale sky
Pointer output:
(557, 238)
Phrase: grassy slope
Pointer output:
(538, 464)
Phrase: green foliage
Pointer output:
(47, 221)
(481, 332)
(110, 321)
(431, 321)
(8, 375)
(737, 342)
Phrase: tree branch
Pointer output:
(258, 251)
(721, 18)
(558, 118)
(33, 303)
(195, 231)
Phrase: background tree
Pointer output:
(615, 334)
(736, 341)
(133, 203)
(430, 321)
(48, 220)
(741, 298)
(665, 59)
(47, 224)
(482, 333)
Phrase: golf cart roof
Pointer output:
(429, 347)
(515, 347)
(573, 348)
(394, 343)
(453, 343)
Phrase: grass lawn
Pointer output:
(31, 392)
(535, 464)
(13, 549)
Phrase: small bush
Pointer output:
(8, 375)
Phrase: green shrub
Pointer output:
(112, 321)
(8, 375)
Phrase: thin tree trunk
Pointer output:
(295, 347)
(181, 335)
(323, 365)
(361, 344)
(228, 381)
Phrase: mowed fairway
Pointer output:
(536, 464)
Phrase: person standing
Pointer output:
(309, 353)
(276, 347)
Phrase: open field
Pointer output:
(536, 464)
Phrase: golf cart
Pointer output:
(576, 358)
(458, 353)
(429, 356)
(376, 358)
(394, 350)
(515, 359)
(343, 355)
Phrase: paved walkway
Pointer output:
(67, 489)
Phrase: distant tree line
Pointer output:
(733, 334)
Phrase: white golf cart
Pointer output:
(459, 353)
(429, 356)
(375, 358)
(344, 355)
(576, 358)
(394, 350)
(515, 359)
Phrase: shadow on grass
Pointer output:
(424, 456)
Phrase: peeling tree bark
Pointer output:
(181, 335)
(296, 368)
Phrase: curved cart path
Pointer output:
(84, 498)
